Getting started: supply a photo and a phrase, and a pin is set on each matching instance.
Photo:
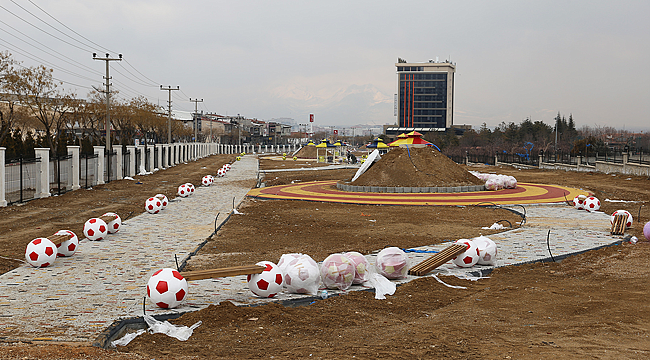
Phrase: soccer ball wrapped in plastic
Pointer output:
(153, 205)
(40, 252)
(301, 275)
(163, 200)
(646, 230)
(285, 259)
(68, 247)
(361, 267)
(207, 180)
(392, 263)
(183, 191)
(579, 202)
(95, 229)
(167, 288)
(470, 257)
(115, 224)
(268, 283)
(629, 221)
(592, 204)
(337, 272)
(221, 172)
(190, 187)
(487, 250)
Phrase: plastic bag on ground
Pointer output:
(382, 285)
(181, 333)
(126, 339)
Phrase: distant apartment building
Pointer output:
(425, 97)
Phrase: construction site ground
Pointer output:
(591, 305)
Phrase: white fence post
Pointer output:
(43, 180)
(131, 150)
(73, 151)
(151, 157)
(160, 151)
(119, 162)
(141, 169)
(99, 151)
(3, 186)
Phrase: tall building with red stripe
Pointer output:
(425, 97)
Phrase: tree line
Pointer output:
(36, 111)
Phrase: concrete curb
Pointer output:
(400, 189)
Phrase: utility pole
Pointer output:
(169, 111)
(196, 115)
(108, 107)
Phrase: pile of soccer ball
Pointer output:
(480, 250)
(42, 252)
(156, 203)
(496, 182)
(589, 203)
(186, 190)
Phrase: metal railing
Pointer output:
(21, 179)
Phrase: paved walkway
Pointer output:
(78, 297)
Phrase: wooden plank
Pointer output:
(58, 239)
(618, 226)
(437, 260)
(222, 272)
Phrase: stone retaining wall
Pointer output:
(406, 189)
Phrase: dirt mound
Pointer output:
(307, 152)
(419, 167)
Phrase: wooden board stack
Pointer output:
(222, 272)
(618, 226)
(437, 260)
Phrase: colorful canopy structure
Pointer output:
(378, 143)
(412, 138)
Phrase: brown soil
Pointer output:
(416, 167)
(307, 152)
(588, 306)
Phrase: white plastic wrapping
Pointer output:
(301, 274)
(487, 250)
(361, 267)
(337, 272)
(392, 263)
(495, 181)
(382, 285)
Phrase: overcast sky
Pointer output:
(336, 59)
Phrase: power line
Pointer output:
(81, 66)
(44, 22)
(56, 37)
(67, 27)
(127, 62)
(57, 79)
(38, 59)
(135, 76)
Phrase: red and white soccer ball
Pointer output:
(301, 275)
(68, 247)
(592, 204)
(40, 252)
(392, 263)
(361, 267)
(268, 283)
(221, 172)
(629, 221)
(184, 191)
(487, 250)
(190, 187)
(163, 200)
(167, 288)
(337, 272)
(227, 167)
(579, 202)
(95, 229)
(207, 180)
(113, 225)
(470, 257)
(153, 205)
